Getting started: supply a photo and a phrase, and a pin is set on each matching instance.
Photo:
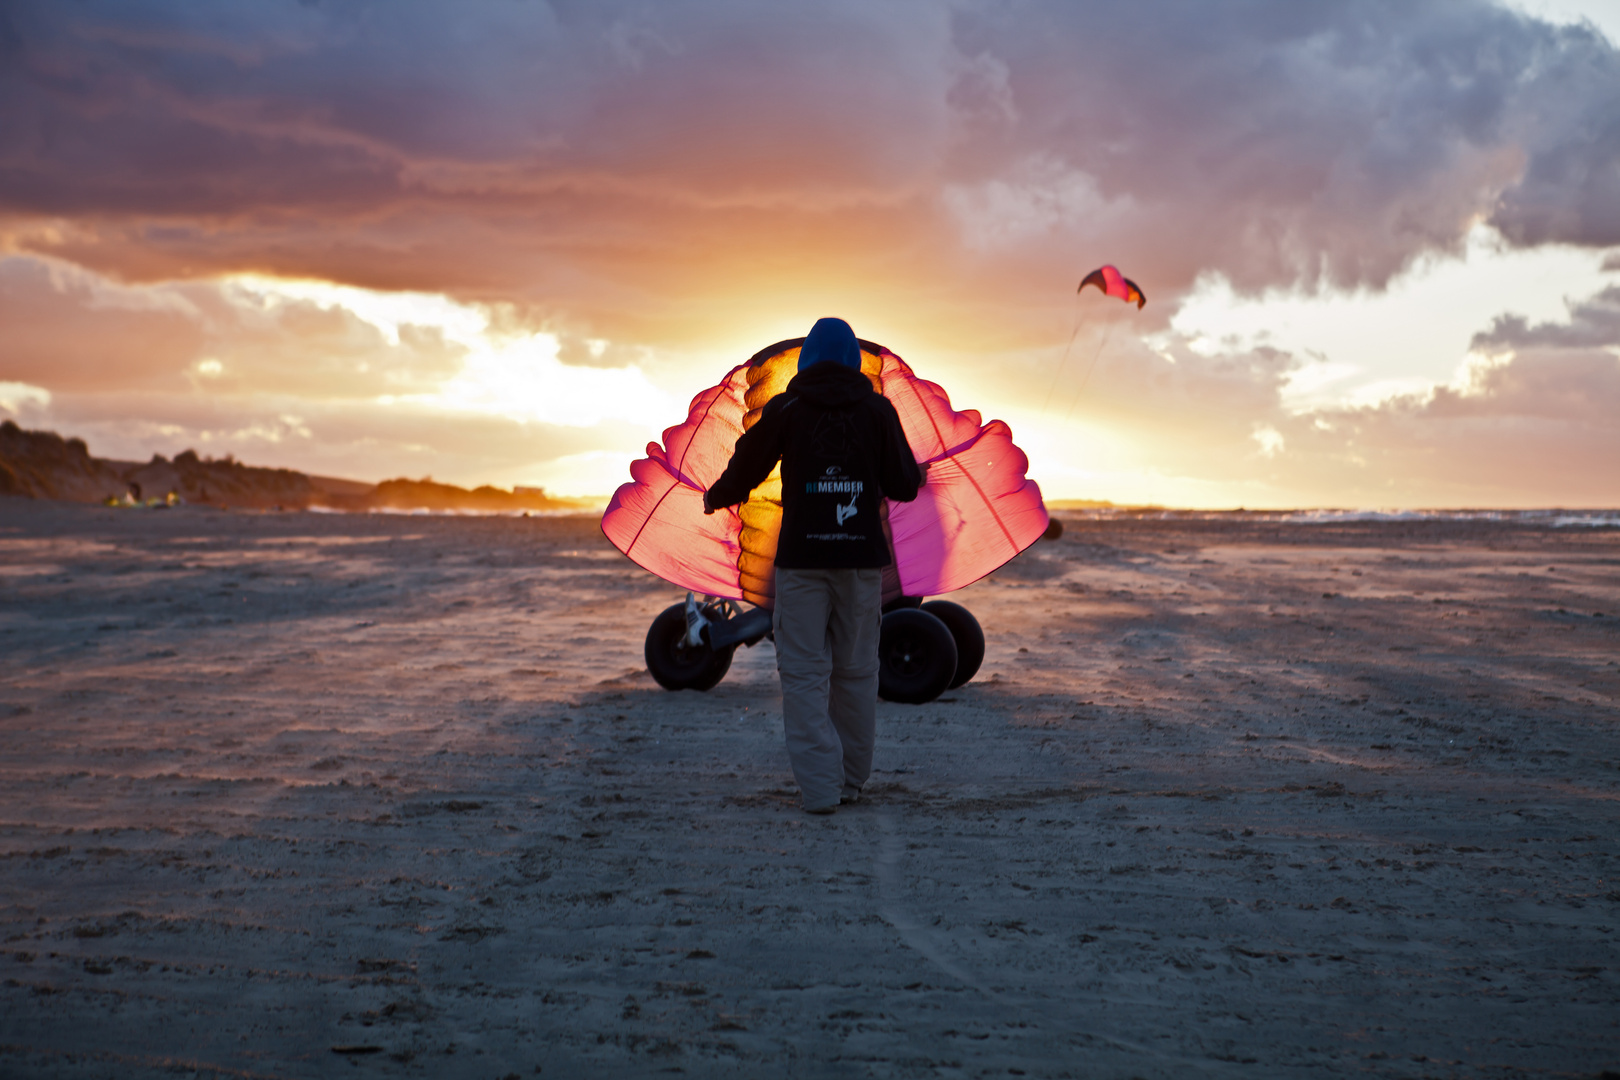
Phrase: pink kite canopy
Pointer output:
(976, 511)
(1115, 284)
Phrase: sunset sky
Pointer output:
(506, 241)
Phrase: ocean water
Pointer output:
(1550, 518)
(425, 512)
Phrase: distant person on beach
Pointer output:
(842, 452)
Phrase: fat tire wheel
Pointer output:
(968, 634)
(916, 657)
(673, 663)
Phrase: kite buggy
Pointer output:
(924, 649)
(977, 511)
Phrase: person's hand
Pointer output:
(707, 509)
(924, 466)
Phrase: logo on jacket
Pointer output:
(833, 482)
(833, 436)
(834, 487)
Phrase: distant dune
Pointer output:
(44, 465)
(1080, 504)
(408, 495)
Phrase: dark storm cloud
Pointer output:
(1594, 323)
(1569, 123)
(254, 106)
(599, 147)
(1283, 143)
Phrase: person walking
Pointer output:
(843, 452)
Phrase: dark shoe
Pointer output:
(820, 810)
(850, 797)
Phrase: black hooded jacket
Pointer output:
(842, 451)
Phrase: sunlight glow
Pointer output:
(1067, 459)
(1269, 439)
(592, 474)
(15, 396)
(516, 376)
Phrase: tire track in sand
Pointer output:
(933, 947)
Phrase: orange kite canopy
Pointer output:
(976, 511)
(1115, 284)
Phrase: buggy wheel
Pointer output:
(916, 657)
(968, 634)
(677, 665)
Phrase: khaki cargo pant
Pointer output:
(827, 624)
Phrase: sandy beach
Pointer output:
(302, 795)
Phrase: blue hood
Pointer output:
(830, 340)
